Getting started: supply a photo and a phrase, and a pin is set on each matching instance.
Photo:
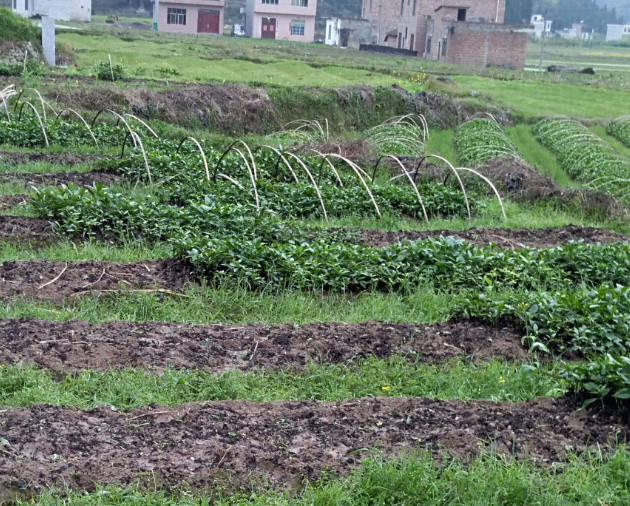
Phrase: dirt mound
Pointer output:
(9, 201)
(76, 345)
(57, 159)
(194, 445)
(520, 182)
(16, 228)
(55, 281)
(506, 238)
(233, 107)
(59, 178)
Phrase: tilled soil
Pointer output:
(193, 445)
(58, 159)
(17, 228)
(56, 281)
(59, 178)
(507, 238)
(75, 345)
(9, 201)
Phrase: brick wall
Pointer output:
(485, 44)
(386, 14)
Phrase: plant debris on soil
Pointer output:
(56, 281)
(53, 158)
(76, 345)
(17, 228)
(194, 445)
(506, 238)
(60, 178)
(9, 201)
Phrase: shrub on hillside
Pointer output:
(14, 28)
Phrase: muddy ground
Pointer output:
(16, 228)
(56, 281)
(76, 345)
(507, 238)
(59, 178)
(16, 158)
(193, 445)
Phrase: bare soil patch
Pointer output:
(507, 238)
(59, 178)
(9, 201)
(76, 345)
(56, 281)
(194, 445)
(16, 228)
(57, 159)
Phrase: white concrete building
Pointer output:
(541, 24)
(348, 32)
(617, 32)
(62, 10)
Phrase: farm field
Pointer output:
(371, 287)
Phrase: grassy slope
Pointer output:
(293, 64)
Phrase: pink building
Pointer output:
(281, 19)
(190, 16)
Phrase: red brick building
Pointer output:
(472, 33)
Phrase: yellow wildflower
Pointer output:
(385, 389)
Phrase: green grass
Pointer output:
(394, 377)
(232, 304)
(538, 98)
(411, 479)
(538, 156)
(618, 146)
(42, 168)
(89, 250)
(441, 143)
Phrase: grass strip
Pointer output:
(417, 479)
(371, 377)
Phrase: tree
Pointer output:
(519, 11)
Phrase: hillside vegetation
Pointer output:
(14, 28)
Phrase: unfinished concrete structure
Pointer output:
(62, 10)
(189, 16)
(617, 32)
(472, 33)
(281, 19)
(348, 32)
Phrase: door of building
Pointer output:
(208, 22)
(344, 36)
(412, 42)
(268, 28)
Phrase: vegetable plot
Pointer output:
(586, 157)
(620, 129)
(482, 140)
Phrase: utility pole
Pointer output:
(156, 13)
(544, 36)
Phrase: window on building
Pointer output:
(415, 4)
(402, 7)
(371, 5)
(15, 4)
(25, 5)
(270, 2)
(429, 44)
(176, 16)
(329, 32)
(412, 42)
(299, 3)
(444, 46)
(298, 27)
(461, 14)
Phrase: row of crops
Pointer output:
(234, 214)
